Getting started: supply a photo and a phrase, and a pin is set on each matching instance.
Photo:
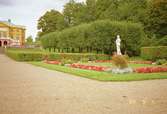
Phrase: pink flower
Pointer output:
(88, 67)
(53, 62)
(151, 70)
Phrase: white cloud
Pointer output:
(6, 2)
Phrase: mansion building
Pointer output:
(11, 35)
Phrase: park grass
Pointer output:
(101, 76)
(110, 65)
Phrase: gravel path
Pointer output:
(26, 89)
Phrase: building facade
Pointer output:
(11, 35)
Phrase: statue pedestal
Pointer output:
(122, 71)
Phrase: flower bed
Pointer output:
(53, 62)
(151, 70)
(88, 67)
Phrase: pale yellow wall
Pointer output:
(4, 27)
(14, 33)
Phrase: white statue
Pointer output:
(118, 45)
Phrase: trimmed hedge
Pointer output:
(39, 56)
(25, 56)
(77, 56)
(98, 36)
(153, 53)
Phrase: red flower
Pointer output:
(53, 62)
(151, 70)
(88, 67)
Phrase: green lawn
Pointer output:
(102, 76)
(110, 65)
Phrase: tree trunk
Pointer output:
(73, 50)
(50, 49)
(87, 49)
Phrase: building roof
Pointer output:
(8, 23)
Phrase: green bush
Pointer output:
(26, 56)
(161, 61)
(162, 41)
(98, 36)
(77, 56)
(154, 53)
(120, 61)
(39, 56)
(65, 61)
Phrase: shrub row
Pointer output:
(78, 57)
(39, 56)
(154, 53)
(98, 36)
(25, 56)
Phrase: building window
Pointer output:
(3, 34)
(0, 34)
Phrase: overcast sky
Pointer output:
(27, 12)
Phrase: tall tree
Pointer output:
(157, 21)
(90, 11)
(29, 40)
(105, 8)
(130, 10)
(50, 21)
(73, 13)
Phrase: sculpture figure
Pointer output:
(118, 45)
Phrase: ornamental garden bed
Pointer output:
(103, 67)
(80, 66)
(92, 70)
(53, 62)
(88, 67)
(151, 69)
(103, 76)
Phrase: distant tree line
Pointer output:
(151, 14)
